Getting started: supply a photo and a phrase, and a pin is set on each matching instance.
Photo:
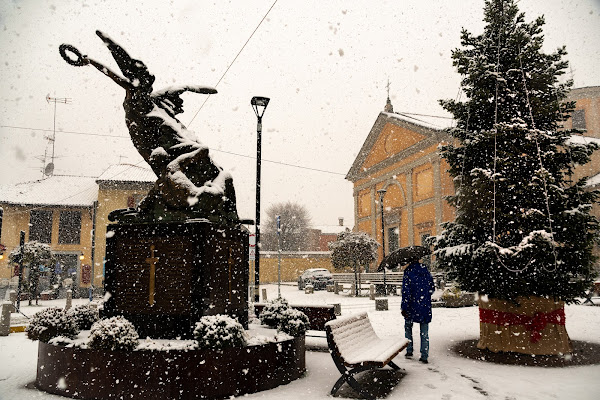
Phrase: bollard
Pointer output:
(337, 308)
(372, 291)
(5, 318)
(353, 289)
(13, 300)
(264, 295)
(336, 288)
(69, 300)
(381, 304)
(309, 289)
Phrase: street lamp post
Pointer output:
(381, 193)
(259, 105)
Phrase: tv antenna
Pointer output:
(49, 169)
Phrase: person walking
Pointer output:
(417, 288)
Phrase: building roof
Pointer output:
(579, 139)
(432, 136)
(332, 229)
(593, 181)
(139, 173)
(73, 191)
(57, 190)
(584, 93)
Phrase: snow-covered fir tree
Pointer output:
(523, 225)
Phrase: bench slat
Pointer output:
(357, 342)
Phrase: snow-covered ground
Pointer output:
(447, 376)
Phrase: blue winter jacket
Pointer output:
(417, 288)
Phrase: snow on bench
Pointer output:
(354, 344)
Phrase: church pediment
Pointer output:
(390, 139)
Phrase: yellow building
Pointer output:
(69, 213)
(402, 158)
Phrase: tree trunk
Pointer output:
(535, 326)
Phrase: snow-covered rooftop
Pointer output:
(332, 228)
(128, 173)
(422, 120)
(63, 190)
(593, 181)
(68, 190)
(579, 139)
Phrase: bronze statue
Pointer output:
(190, 185)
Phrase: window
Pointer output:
(424, 184)
(69, 227)
(134, 201)
(40, 226)
(393, 239)
(579, 119)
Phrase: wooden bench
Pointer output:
(393, 280)
(318, 315)
(355, 347)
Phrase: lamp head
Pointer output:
(259, 105)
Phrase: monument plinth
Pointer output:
(164, 277)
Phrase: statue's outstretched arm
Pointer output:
(124, 83)
(82, 60)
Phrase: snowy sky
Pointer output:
(324, 64)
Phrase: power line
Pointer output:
(281, 163)
(240, 52)
(417, 119)
(425, 115)
(72, 132)
(212, 149)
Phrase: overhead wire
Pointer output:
(235, 58)
(210, 148)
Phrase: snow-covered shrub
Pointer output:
(219, 331)
(452, 293)
(84, 316)
(49, 323)
(293, 322)
(272, 310)
(115, 333)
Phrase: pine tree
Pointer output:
(523, 225)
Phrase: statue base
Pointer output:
(163, 277)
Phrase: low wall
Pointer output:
(292, 264)
(174, 374)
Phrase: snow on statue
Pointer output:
(190, 184)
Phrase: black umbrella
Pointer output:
(403, 256)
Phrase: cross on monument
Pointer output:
(231, 262)
(152, 261)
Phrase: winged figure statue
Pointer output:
(190, 184)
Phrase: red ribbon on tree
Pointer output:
(535, 324)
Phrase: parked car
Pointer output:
(319, 278)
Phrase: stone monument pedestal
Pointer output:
(163, 277)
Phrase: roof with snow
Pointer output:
(139, 173)
(57, 190)
(579, 139)
(593, 181)
(73, 191)
(432, 136)
(332, 229)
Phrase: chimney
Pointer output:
(341, 221)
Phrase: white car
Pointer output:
(319, 278)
